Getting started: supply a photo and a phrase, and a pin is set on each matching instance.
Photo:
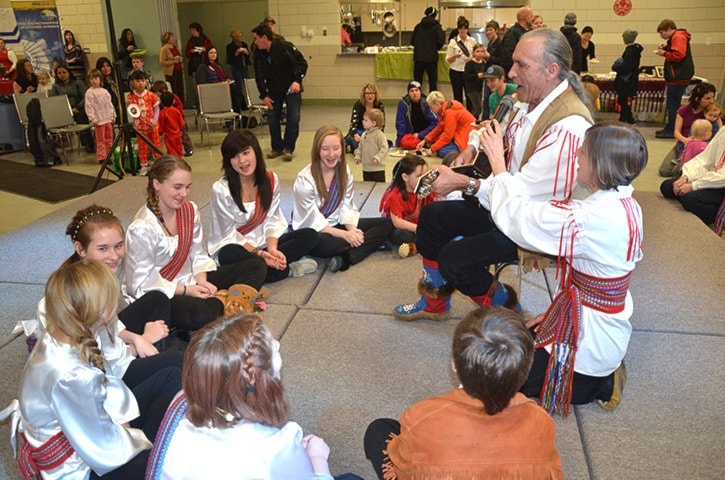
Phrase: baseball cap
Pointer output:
(494, 71)
(414, 84)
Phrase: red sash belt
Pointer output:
(560, 328)
(185, 226)
(48, 456)
(260, 215)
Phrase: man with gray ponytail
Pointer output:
(458, 240)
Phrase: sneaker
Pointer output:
(407, 250)
(620, 381)
(416, 311)
(189, 153)
(287, 156)
(143, 171)
(665, 134)
(274, 154)
(302, 267)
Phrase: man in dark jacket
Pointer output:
(575, 41)
(627, 68)
(679, 69)
(413, 120)
(280, 68)
(524, 17)
(428, 37)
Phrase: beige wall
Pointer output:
(335, 77)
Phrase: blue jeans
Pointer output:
(674, 99)
(274, 117)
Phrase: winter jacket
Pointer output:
(575, 42)
(276, 69)
(454, 125)
(428, 37)
(508, 45)
(679, 66)
(628, 71)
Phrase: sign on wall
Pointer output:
(38, 32)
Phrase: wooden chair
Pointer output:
(21, 105)
(215, 105)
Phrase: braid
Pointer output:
(90, 351)
(153, 203)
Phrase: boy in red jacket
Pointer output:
(171, 124)
(159, 87)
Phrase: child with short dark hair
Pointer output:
(373, 146)
(402, 205)
(101, 114)
(171, 124)
(469, 429)
(159, 87)
(147, 121)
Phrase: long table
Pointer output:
(650, 95)
(399, 66)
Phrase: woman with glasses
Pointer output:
(369, 99)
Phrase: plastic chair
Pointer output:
(58, 118)
(215, 105)
(21, 105)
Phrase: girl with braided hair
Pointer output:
(74, 408)
(165, 252)
(233, 413)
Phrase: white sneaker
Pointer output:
(144, 170)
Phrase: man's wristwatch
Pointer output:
(471, 188)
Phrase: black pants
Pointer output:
(378, 176)
(192, 313)
(375, 441)
(457, 84)
(376, 231)
(463, 262)
(585, 389)
(134, 469)
(625, 109)
(400, 236)
(152, 306)
(295, 245)
(704, 203)
(431, 68)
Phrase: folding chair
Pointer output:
(58, 118)
(215, 105)
(257, 110)
(21, 105)
(528, 261)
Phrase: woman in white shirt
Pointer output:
(460, 51)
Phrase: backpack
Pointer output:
(40, 143)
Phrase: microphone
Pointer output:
(503, 108)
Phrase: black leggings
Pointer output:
(376, 231)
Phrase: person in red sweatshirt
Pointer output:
(679, 69)
(171, 124)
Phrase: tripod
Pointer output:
(123, 136)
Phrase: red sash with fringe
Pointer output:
(185, 226)
(52, 454)
(334, 198)
(260, 215)
(560, 327)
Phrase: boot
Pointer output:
(435, 300)
(499, 294)
(620, 381)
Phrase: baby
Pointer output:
(700, 134)
(373, 147)
(713, 114)
(45, 83)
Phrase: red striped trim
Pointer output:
(52, 454)
(185, 227)
(260, 214)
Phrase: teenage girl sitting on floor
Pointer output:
(166, 251)
(324, 193)
(246, 219)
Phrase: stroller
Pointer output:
(41, 144)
